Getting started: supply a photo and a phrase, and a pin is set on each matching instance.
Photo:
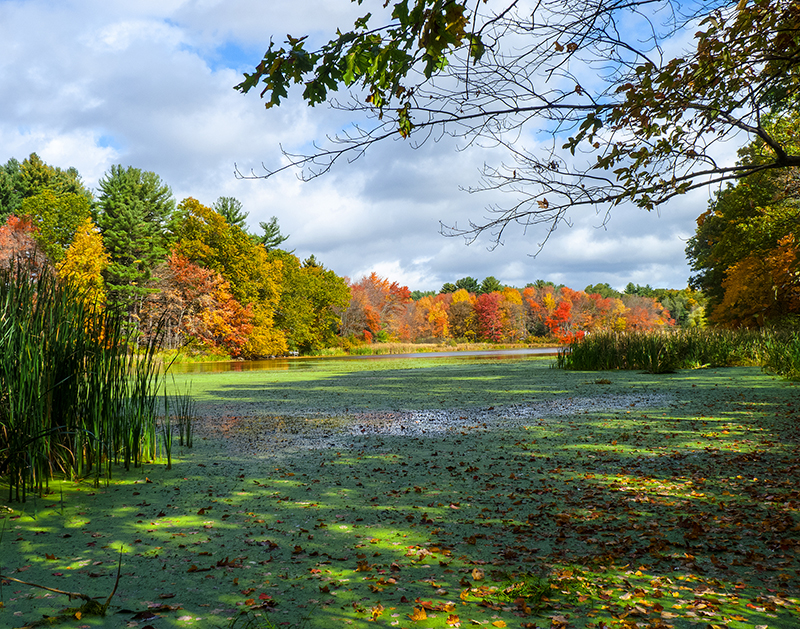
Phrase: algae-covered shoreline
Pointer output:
(438, 493)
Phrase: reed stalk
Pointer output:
(665, 351)
(74, 395)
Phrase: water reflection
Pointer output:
(310, 361)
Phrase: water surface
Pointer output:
(307, 362)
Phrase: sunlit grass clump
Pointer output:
(74, 397)
(777, 351)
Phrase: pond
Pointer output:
(307, 362)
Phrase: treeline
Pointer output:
(381, 310)
(194, 277)
(186, 273)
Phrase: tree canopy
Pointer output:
(630, 120)
(745, 250)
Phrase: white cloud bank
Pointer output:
(90, 84)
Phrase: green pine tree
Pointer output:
(134, 212)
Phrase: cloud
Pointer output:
(150, 84)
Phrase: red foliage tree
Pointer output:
(489, 314)
(18, 246)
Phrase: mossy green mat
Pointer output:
(678, 509)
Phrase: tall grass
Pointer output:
(74, 397)
(664, 351)
(781, 354)
(185, 412)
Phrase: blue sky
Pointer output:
(92, 83)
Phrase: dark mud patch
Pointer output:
(282, 435)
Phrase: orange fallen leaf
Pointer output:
(419, 614)
(499, 623)
(453, 619)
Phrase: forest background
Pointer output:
(195, 274)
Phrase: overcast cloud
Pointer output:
(150, 83)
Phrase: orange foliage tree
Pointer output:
(760, 289)
(461, 315)
(206, 238)
(376, 306)
(195, 304)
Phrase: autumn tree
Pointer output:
(628, 121)
(207, 239)
(427, 319)
(54, 200)
(133, 211)
(686, 306)
(489, 316)
(747, 221)
(18, 245)
(57, 217)
(761, 289)
(645, 313)
(360, 319)
(379, 305)
(84, 262)
(195, 308)
(513, 315)
(462, 319)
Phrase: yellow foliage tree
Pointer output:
(84, 261)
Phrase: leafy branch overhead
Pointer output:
(629, 120)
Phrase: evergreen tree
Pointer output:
(490, 285)
(231, 210)
(10, 189)
(36, 176)
(469, 284)
(133, 212)
(272, 237)
(605, 290)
